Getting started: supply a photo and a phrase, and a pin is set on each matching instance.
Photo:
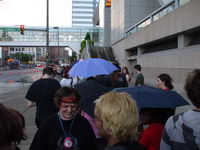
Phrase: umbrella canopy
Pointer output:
(73, 63)
(91, 67)
(90, 90)
(150, 97)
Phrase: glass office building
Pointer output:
(82, 12)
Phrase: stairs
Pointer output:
(102, 52)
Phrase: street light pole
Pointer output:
(47, 30)
(58, 43)
(57, 40)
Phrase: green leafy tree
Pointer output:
(73, 57)
(83, 43)
(25, 58)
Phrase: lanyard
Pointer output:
(63, 127)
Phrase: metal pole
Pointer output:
(47, 30)
(35, 55)
(58, 44)
(58, 36)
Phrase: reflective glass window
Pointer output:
(82, 25)
(83, 10)
(82, 0)
(85, 15)
(82, 19)
(83, 5)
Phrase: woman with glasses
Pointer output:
(65, 129)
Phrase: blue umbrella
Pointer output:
(150, 97)
(91, 67)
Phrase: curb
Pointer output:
(23, 72)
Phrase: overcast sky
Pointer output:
(33, 12)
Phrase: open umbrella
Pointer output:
(90, 90)
(150, 97)
(91, 67)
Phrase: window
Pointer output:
(82, 19)
(83, 10)
(82, 5)
(82, 15)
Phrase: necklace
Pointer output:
(68, 141)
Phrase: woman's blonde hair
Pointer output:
(119, 114)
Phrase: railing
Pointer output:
(159, 13)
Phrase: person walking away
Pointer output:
(182, 132)
(116, 117)
(139, 77)
(41, 93)
(65, 130)
(66, 81)
(90, 90)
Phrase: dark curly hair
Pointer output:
(167, 79)
(192, 87)
(64, 92)
(11, 126)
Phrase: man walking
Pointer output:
(41, 94)
(139, 80)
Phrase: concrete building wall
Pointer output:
(126, 13)
(135, 10)
(178, 61)
(182, 19)
(117, 20)
(107, 27)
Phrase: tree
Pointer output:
(83, 43)
(73, 57)
(25, 58)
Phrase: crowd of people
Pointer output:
(85, 114)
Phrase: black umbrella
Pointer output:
(90, 90)
(150, 97)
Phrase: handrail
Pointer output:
(134, 28)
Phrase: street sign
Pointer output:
(10, 29)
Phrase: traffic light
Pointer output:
(22, 29)
(108, 3)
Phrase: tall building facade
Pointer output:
(166, 40)
(82, 12)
